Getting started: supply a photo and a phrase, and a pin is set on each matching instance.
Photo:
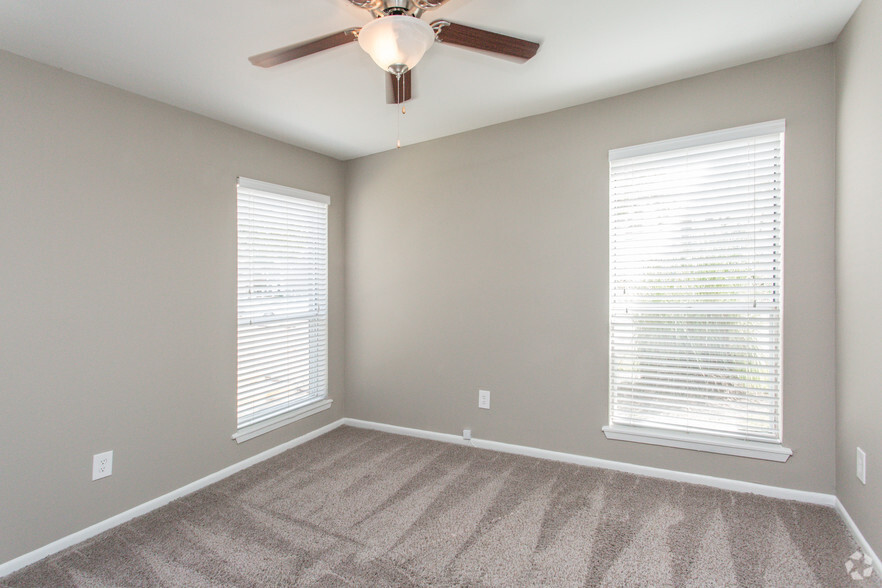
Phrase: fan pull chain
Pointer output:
(399, 82)
(401, 94)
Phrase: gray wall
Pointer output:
(481, 261)
(859, 269)
(117, 297)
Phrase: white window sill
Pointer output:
(252, 431)
(756, 450)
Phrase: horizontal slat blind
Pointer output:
(282, 300)
(695, 284)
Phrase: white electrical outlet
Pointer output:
(467, 434)
(102, 465)
(484, 399)
(861, 466)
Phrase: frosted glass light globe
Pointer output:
(396, 43)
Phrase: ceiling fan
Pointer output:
(397, 38)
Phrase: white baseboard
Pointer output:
(859, 537)
(723, 483)
(89, 532)
(422, 434)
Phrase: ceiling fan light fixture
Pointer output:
(396, 43)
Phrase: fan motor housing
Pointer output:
(397, 7)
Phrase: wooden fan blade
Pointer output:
(456, 34)
(291, 52)
(400, 91)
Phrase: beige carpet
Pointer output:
(363, 508)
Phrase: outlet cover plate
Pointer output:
(484, 399)
(102, 465)
(861, 466)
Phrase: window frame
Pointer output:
(769, 450)
(316, 293)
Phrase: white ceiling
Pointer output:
(193, 54)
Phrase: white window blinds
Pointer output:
(695, 284)
(282, 300)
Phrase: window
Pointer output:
(695, 292)
(282, 306)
